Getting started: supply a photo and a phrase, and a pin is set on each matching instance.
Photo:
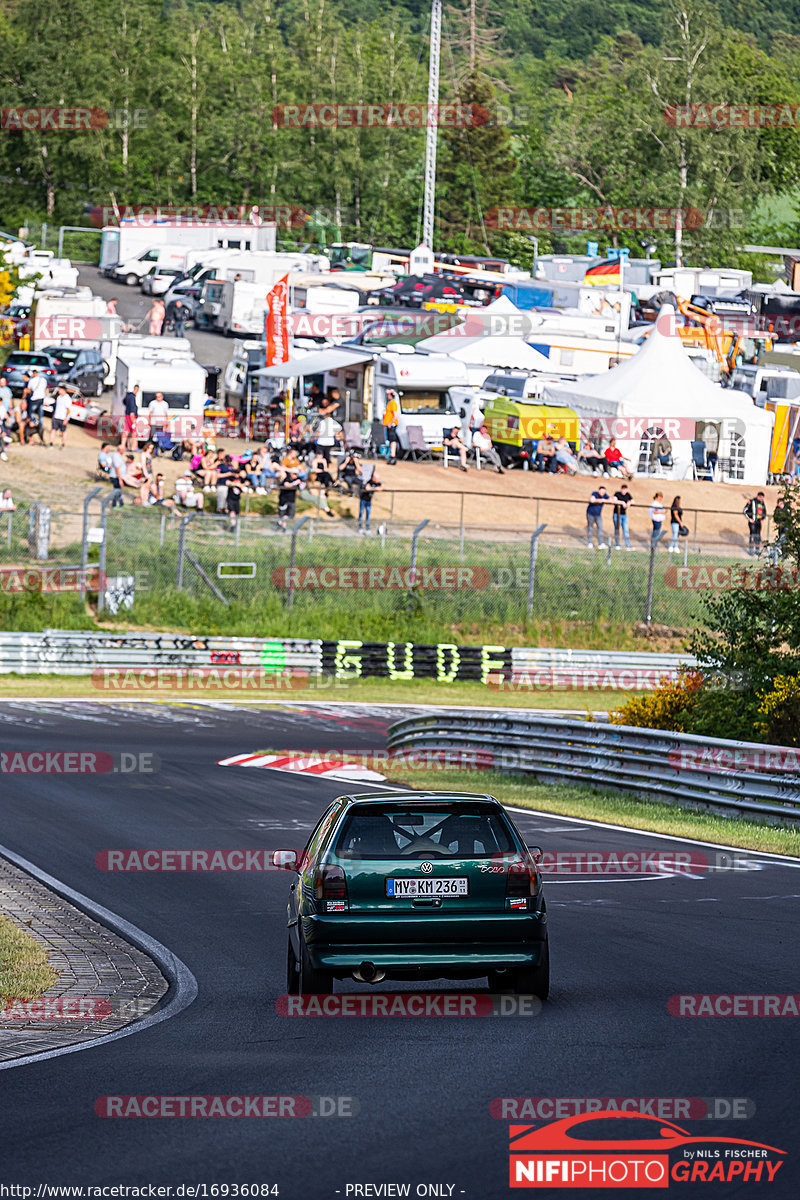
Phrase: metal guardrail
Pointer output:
(79, 652)
(699, 772)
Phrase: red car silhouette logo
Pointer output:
(581, 1151)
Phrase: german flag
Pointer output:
(605, 273)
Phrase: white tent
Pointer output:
(498, 342)
(659, 388)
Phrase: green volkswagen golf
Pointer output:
(416, 885)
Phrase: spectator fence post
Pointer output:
(532, 565)
(10, 516)
(163, 526)
(695, 531)
(651, 574)
(461, 529)
(85, 537)
(414, 539)
(182, 548)
(292, 554)
(101, 592)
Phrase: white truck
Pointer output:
(52, 271)
(234, 297)
(181, 380)
(133, 270)
(127, 240)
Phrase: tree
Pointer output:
(752, 631)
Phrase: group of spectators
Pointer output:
(23, 416)
(623, 502)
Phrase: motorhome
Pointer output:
(685, 282)
(131, 237)
(181, 380)
(57, 311)
(423, 384)
(234, 295)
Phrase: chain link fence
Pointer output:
(322, 578)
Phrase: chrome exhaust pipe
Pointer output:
(368, 973)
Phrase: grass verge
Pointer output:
(356, 691)
(25, 971)
(615, 808)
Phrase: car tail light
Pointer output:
(330, 887)
(521, 882)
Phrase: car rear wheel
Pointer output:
(292, 972)
(313, 982)
(534, 981)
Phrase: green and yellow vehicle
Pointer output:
(513, 423)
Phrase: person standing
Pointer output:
(155, 316)
(60, 418)
(391, 421)
(117, 473)
(178, 314)
(36, 396)
(130, 405)
(755, 510)
(368, 488)
(6, 404)
(236, 485)
(676, 521)
(657, 513)
(158, 417)
(287, 496)
(594, 517)
(624, 500)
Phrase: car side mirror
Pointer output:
(284, 860)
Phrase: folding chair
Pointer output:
(418, 448)
(352, 436)
(700, 467)
(380, 442)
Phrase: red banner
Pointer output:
(277, 323)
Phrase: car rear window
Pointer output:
(444, 832)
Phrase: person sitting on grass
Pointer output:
(456, 446)
(6, 502)
(319, 471)
(152, 493)
(208, 471)
(132, 475)
(104, 458)
(588, 454)
(185, 495)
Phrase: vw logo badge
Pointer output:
(427, 867)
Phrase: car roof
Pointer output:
(424, 797)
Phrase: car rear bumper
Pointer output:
(470, 946)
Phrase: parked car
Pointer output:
(21, 362)
(83, 367)
(188, 291)
(159, 280)
(416, 885)
(81, 410)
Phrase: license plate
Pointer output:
(417, 887)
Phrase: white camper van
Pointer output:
(181, 380)
(422, 382)
(53, 304)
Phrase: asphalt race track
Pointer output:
(620, 949)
